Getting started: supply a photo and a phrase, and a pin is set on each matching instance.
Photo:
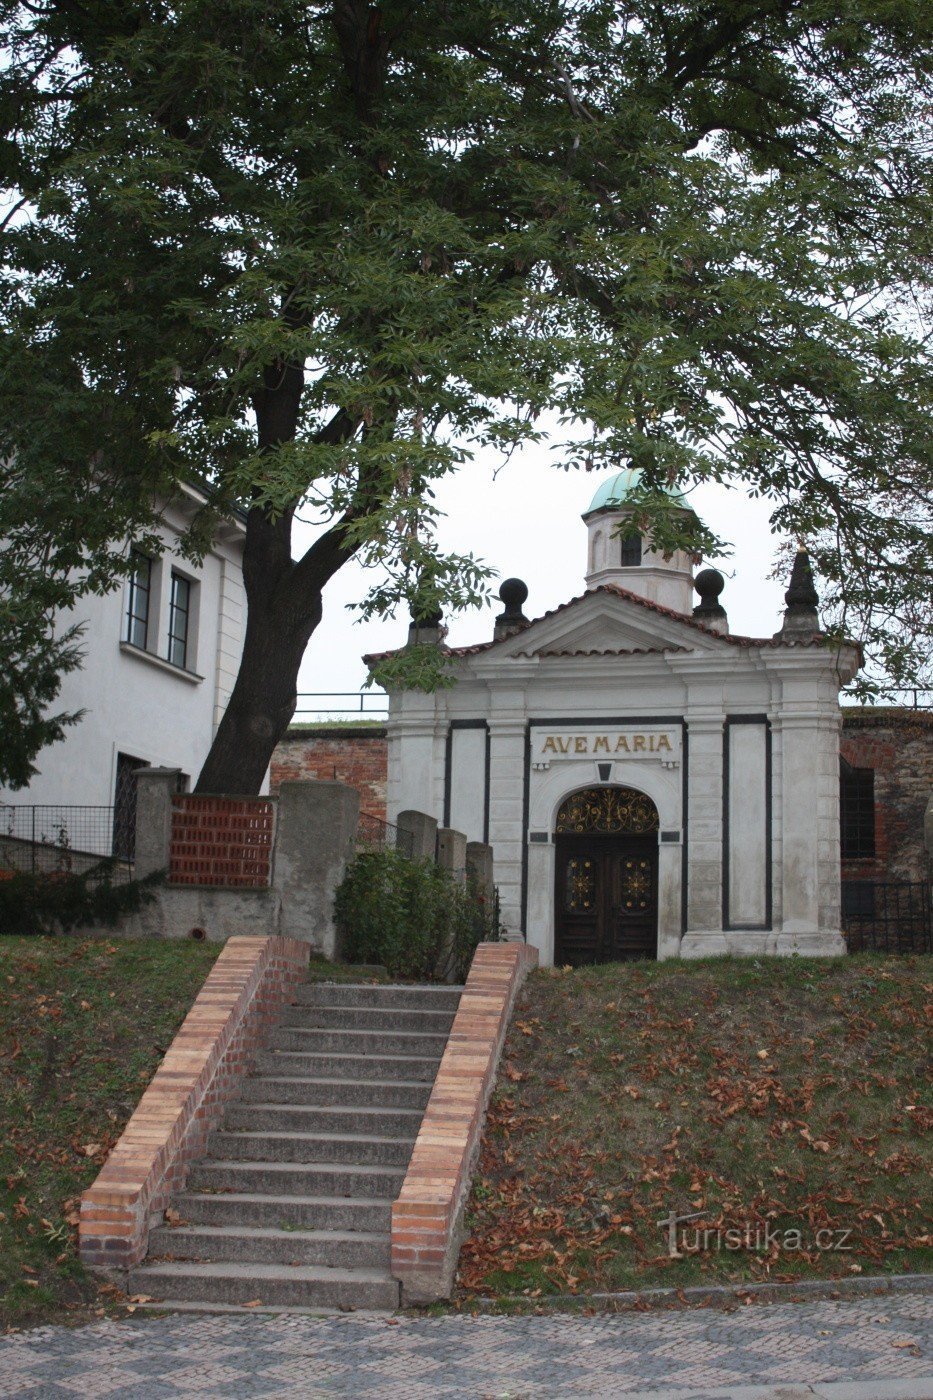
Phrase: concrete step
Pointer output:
(332, 1249)
(346, 1042)
(302, 1089)
(297, 1178)
(309, 1147)
(268, 1283)
(429, 996)
(368, 1018)
(336, 1066)
(268, 1211)
(258, 1117)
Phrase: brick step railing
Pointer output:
(307, 1145)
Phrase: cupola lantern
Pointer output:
(618, 553)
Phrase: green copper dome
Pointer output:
(615, 490)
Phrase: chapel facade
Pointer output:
(652, 785)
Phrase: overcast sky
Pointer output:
(525, 521)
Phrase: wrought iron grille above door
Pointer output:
(606, 892)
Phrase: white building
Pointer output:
(161, 657)
(651, 785)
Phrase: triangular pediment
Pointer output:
(610, 621)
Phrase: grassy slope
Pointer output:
(83, 1026)
(794, 1093)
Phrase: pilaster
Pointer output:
(704, 935)
(507, 746)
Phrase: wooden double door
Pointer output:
(607, 898)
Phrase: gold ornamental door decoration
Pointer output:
(606, 811)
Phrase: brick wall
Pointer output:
(898, 746)
(345, 754)
(427, 1218)
(240, 1002)
(221, 841)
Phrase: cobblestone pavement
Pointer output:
(876, 1342)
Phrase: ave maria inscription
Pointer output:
(663, 744)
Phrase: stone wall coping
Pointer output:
(427, 1216)
(241, 998)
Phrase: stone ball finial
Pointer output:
(513, 592)
(709, 583)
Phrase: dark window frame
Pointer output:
(857, 834)
(136, 617)
(179, 638)
(630, 552)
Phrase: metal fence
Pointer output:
(909, 698)
(342, 705)
(887, 916)
(60, 840)
(374, 834)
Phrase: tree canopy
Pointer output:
(320, 254)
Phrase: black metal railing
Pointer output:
(911, 697)
(42, 839)
(328, 704)
(375, 834)
(887, 916)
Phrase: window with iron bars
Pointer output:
(856, 812)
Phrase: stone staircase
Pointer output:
(291, 1207)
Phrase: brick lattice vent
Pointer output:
(221, 841)
(232, 1017)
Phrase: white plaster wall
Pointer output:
(133, 704)
(468, 782)
(828, 854)
(704, 836)
(747, 825)
(668, 582)
(412, 771)
(506, 834)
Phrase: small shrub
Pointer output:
(405, 913)
(58, 903)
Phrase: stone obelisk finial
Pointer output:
(800, 616)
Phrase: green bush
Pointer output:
(404, 914)
(58, 903)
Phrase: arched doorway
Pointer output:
(607, 877)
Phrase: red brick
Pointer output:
(358, 758)
(249, 982)
(425, 1216)
(898, 746)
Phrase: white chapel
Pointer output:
(652, 785)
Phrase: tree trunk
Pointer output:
(283, 605)
(262, 704)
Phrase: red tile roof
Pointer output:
(612, 588)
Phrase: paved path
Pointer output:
(866, 1349)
